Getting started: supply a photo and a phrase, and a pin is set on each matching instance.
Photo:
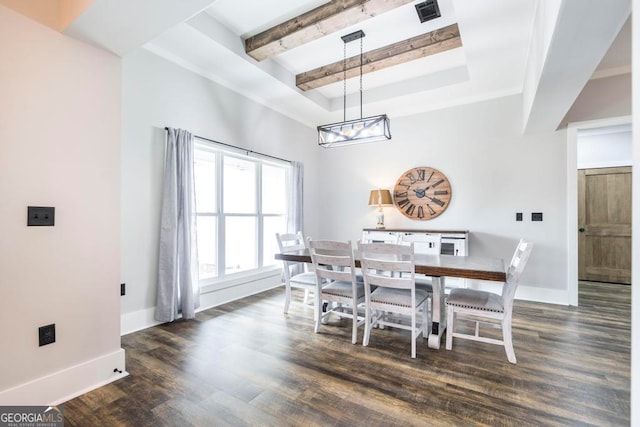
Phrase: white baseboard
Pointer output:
(66, 384)
(138, 320)
(211, 296)
(216, 297)
(546, 295)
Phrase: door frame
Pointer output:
(572, 196)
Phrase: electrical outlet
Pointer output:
(123, 289)
(41, 215)
(536, 216)
(518, 216)
(47, 334)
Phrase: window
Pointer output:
(241, 202)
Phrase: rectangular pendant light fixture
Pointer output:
(357, 131)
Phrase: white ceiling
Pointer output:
(495, 35)
(206, 37)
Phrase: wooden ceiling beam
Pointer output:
(430, 43)
(326, 19)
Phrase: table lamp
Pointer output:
(380, 198)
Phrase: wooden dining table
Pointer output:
(438, 267)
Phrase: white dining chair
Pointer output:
(296, 274)
(336, 283)
(389, 284)
(488, 308)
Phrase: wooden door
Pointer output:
(604, 221)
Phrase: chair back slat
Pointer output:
(388, 265)
(519, 260)
(288, 243)
(516, 267)
(332, 260)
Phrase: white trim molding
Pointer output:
(525, 293)
(210, 296)
(68, 383)
(611, 164)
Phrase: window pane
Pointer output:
(274, 189)
(207, 246)
(231, 195)
(205, 177)
(239, 185)
(240, 243)
(272, 225)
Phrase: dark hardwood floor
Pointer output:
(246, 363)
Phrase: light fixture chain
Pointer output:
(344, 83)
(361, 57)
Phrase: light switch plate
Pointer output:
(47, 334)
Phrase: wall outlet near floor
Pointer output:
(123, 289)
(536, 216)
(41, 216)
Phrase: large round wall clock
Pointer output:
(422, 193)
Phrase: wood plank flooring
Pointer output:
(246, 363)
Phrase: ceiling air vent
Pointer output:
(428, 10)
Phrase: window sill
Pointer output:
(238, 279)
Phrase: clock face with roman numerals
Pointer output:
(422, 193)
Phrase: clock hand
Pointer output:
(436, 201)
(434, 184)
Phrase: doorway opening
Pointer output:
(598, 148)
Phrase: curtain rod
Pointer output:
(238, 148)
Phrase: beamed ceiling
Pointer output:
(288, 54)
(321, 21)
(417, 47)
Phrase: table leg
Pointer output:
(438, 313)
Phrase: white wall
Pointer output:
(543, 28)
(156, 94)
(605, 147)
(601, 98)
(45, 12)
(494, 172)
(59, 146)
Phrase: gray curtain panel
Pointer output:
(178, 290)
(294, 215)
(295, 219)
